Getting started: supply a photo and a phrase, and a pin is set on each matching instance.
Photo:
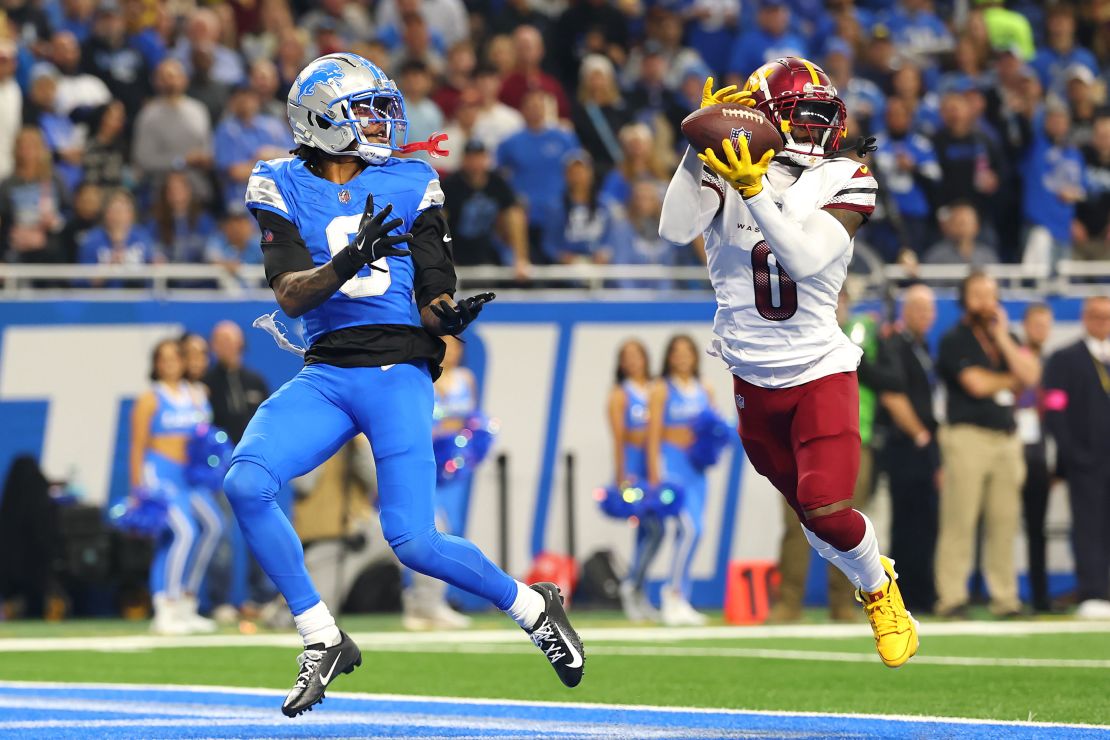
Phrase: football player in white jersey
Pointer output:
(778, 238)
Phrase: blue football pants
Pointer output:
(303, 424)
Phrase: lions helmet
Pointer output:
(797, 95)
(335, 97)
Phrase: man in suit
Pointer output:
(910, 454)
(1077, 413)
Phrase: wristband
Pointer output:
(347, 263)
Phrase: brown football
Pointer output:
(705, 128)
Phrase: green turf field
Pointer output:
(1038, 671)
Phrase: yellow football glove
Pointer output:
(740, 172)
(724, 95)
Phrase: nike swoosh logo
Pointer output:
(446, 237)
(575, 657)
(327, 677)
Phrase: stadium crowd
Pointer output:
(128, 128)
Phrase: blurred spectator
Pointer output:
(446, 18)
(1054, 183)
(292, 55)
(172, 130)
(496, 121)
(652, 97)
(1082, 96)
(638, 162)
(63, 138)
(1007, 28)
(501, 55)
(634, 233)
(1093, 225)
(907, 85)
(968, 65)
(1077, 403)
(578, 227)
(76, 17)
(711, 28)
(88, 206)
(27, 22)
(11, 107)
(424, 116)
(527, 75)
(485, 219)
(1061, 50)
(969, 165)
(203, 84)
(599, 112)
(264, 81)
(587, 27)
(32, 204)
(77, 89)
(244, 136)
(959, 222)
(862, 97)
(457, 77)
(416, 44)
(1037, 325)
(181, 226)
(113, 56)
(529, 159)
(665, 41)
(460, 131)
(105, 159)
(982, 366)
(235, 391)
(908, 452)
(516, 13)
(118, 240)
(236, 243)
(919, 32)
(908, 166)
(771, 38)
(202, 33)
(349, 19)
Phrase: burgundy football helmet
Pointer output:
(801, 101)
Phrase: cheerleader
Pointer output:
(162, 422)
(675, 400)
(628, 420)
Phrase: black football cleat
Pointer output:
(319, 666)
(555, 636)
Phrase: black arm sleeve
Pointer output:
(283, 249)
(431, 254)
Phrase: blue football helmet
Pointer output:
(337, 95)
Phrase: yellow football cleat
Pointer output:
(895, 628)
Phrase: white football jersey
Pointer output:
(772, 331)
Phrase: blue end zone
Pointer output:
(118, 712)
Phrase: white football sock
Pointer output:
(317, 625)
(527, 607)
(861, 564)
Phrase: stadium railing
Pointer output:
(248, 281)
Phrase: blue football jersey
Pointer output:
(327, 216)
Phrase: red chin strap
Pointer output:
(432, 146)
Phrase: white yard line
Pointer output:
(593, 635)
(542, 704)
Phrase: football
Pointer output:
(707, 127)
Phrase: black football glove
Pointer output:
(454, 319)
(372, 242)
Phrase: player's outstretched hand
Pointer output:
(724, 95)
(454, 319)
(373, 240)
(739, 171)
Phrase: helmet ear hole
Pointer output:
(322, 122)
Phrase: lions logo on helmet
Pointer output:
(337, 96)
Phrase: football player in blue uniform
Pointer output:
(355, 241)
